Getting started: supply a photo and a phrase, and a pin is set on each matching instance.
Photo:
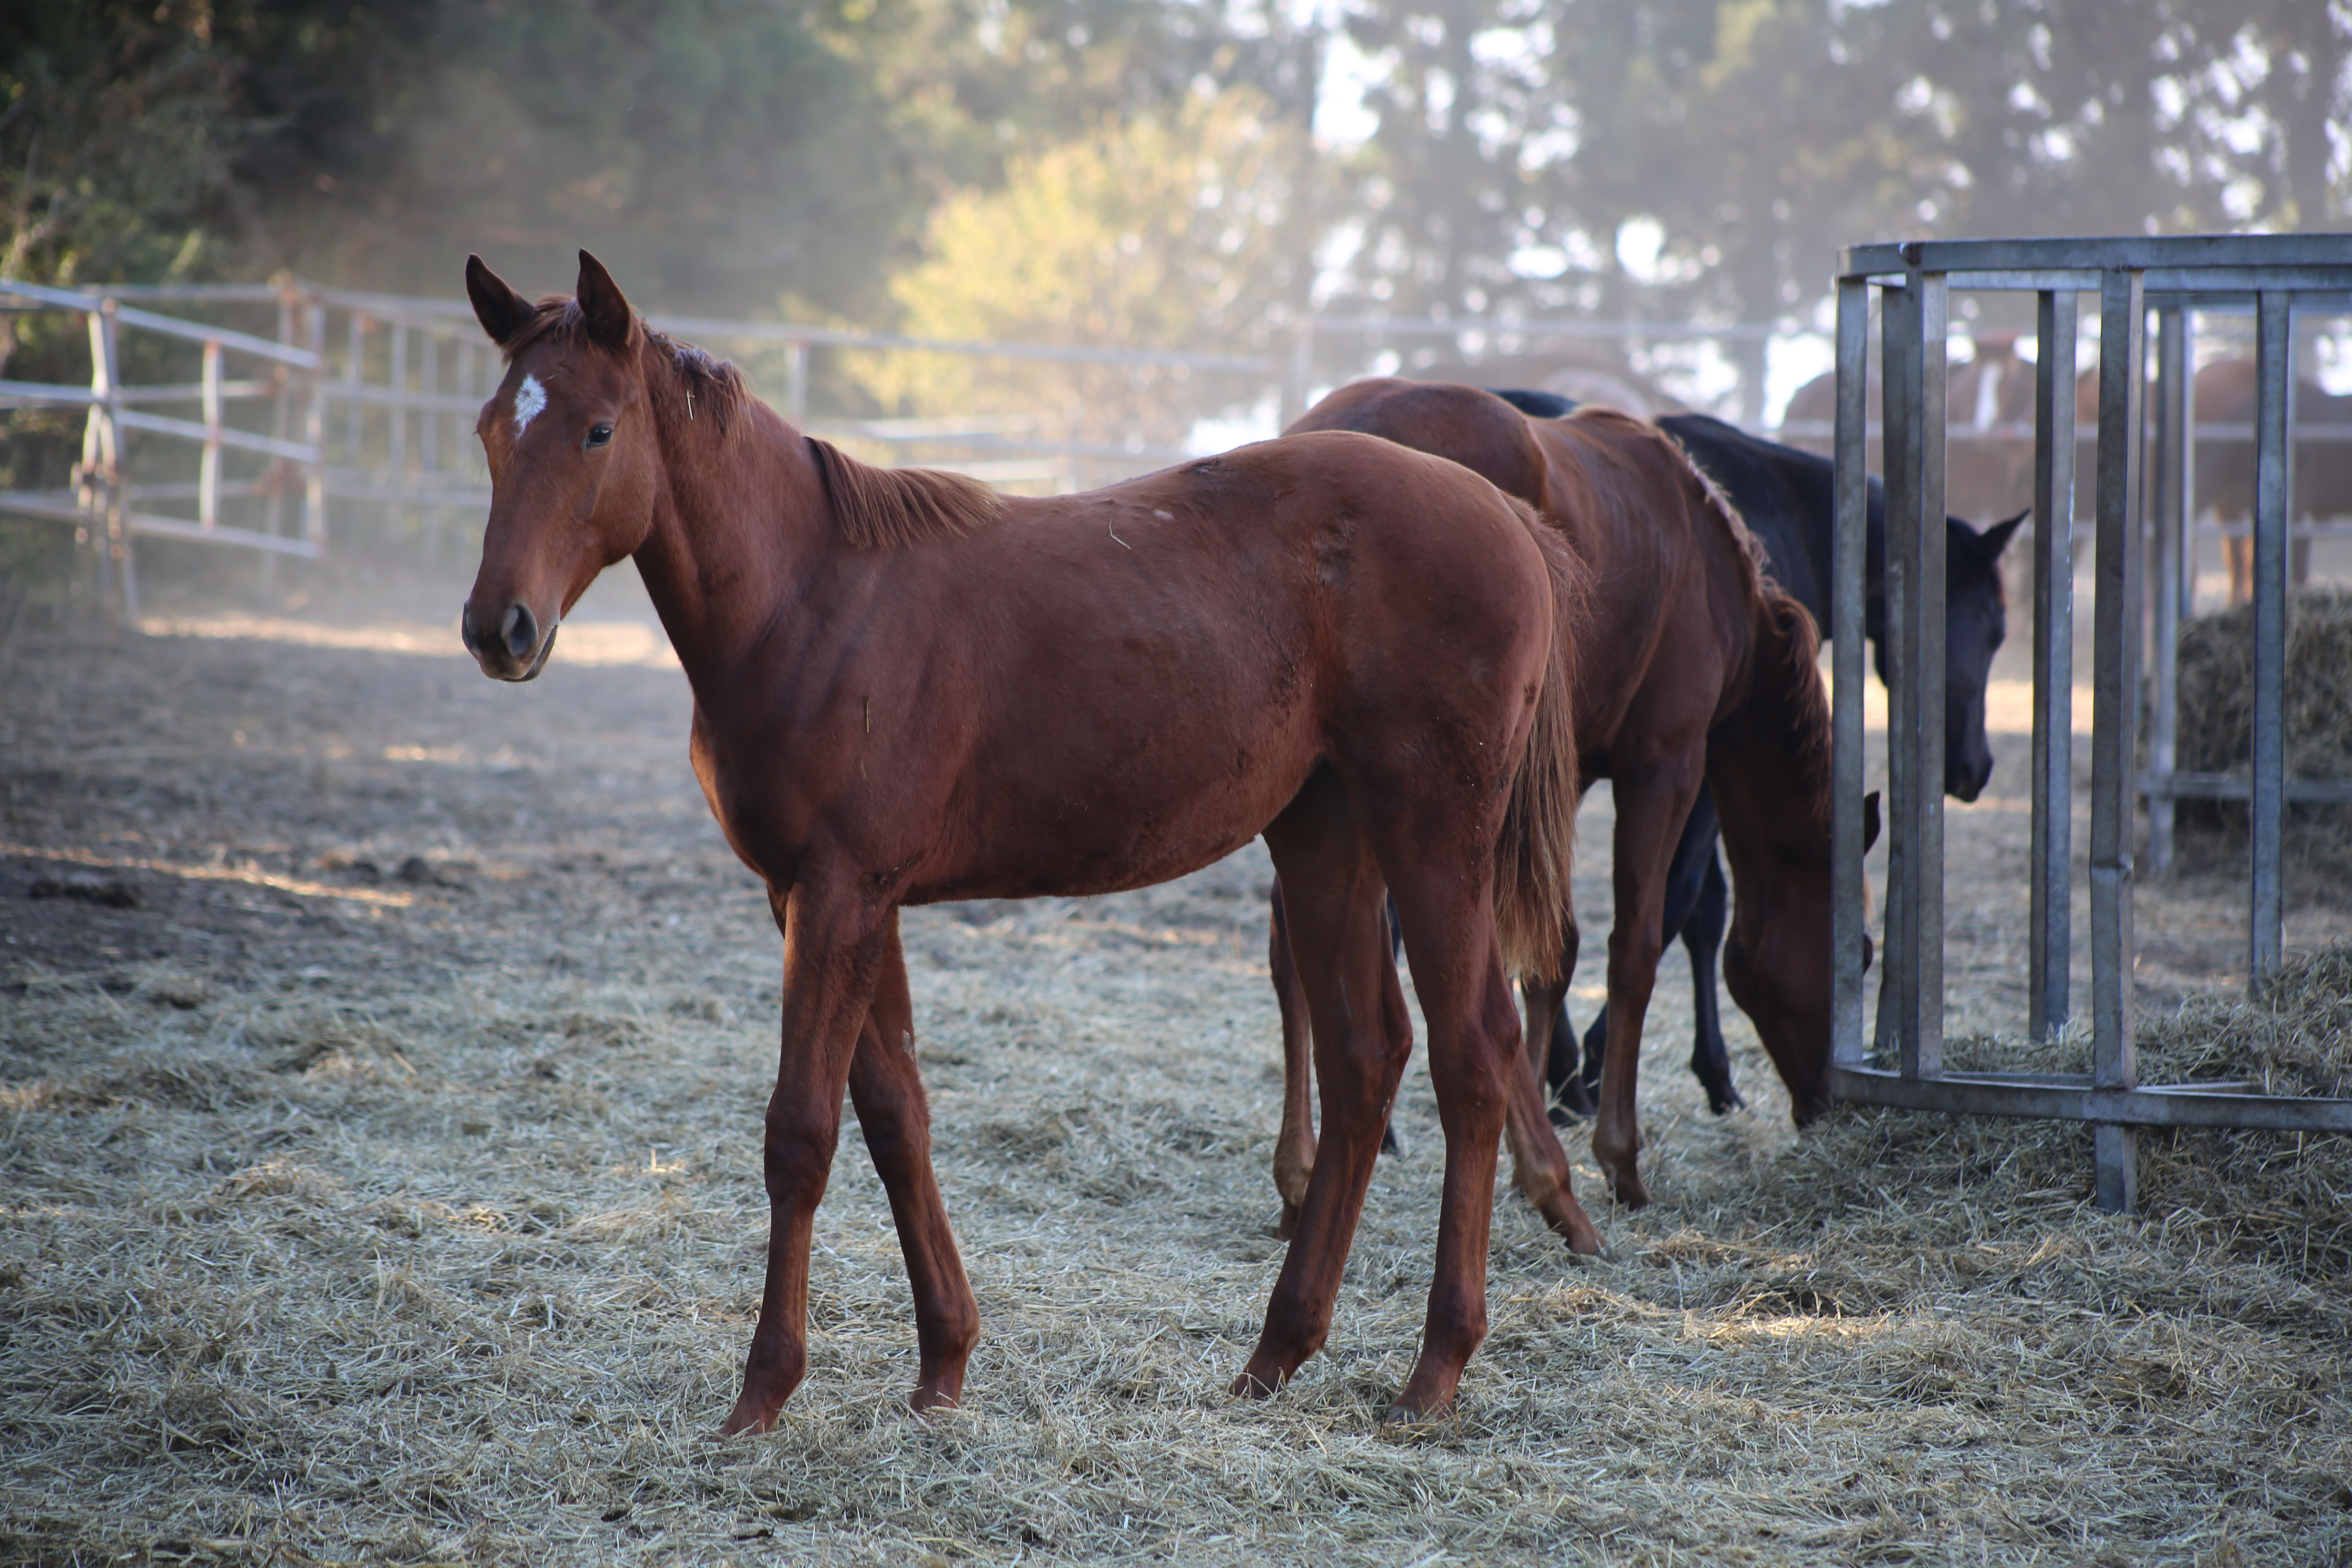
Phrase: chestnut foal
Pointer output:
(909, 688)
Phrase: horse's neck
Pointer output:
(740, 524)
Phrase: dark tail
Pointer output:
(1534, 854)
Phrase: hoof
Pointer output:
(1250, 1384)
(1390, 1142)
(1286, 1224)
(1627, 1189)
(926, 1399)
(748, 1419)
(1407, 1420)
(1726, 1101)
(1583, 1240)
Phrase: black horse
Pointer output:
(1787, 498)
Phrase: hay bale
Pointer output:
(2215, 731)
(2281, 1198)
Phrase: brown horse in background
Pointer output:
(2226, 395)
(1692, 667)
(909, 688)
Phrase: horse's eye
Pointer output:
(598, 435)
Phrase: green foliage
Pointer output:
(117, 121)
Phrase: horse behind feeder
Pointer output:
(2225, 465)
(907, 688)
(1786, 498)
(1988, 427)
(1693, 671)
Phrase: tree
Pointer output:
(1163, 232)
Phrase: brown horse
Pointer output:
(2226, 395)
(908, 688)
(1692, 667)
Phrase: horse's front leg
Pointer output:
(887, 1088)
(1653, 798)
(833, 954)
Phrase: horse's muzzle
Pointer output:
(515, 650)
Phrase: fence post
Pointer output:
(281, 422)
(2115, 723)
(429, 440)
(106, 387)
(314, 435)
(208, 466)
(2051, 926)
(354, 363)
(796, 355)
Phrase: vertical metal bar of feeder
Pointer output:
(1927, 629)
(2114, 714)
(2051, 926)
(2187, 472)
(796, 357)
(1915, 529)
(1849, 906)
(2165, 534)
(2273, 484)
(1898, 354)
(209, 466)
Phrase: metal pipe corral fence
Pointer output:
(2135, 549)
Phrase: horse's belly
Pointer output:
(1146, 817)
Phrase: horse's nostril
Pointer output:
(520, 632)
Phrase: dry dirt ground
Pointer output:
(381, 1057)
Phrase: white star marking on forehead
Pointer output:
(529, 398)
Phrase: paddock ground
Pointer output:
(381, 1186)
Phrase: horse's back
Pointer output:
(1460, 424)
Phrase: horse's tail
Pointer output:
(1534, 854)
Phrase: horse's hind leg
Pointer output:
(1653, 800)
(1293, 1146)
(1361, 1036)
(887, 1088)
(1697, 911)
(1475, 1054)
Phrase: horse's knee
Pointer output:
(795, 1155)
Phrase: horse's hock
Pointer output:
(2142, 482)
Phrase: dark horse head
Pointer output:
(1976, 620)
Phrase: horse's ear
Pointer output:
(1996, 538)
(1869, 821)
(502, 312)
(602, 309)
